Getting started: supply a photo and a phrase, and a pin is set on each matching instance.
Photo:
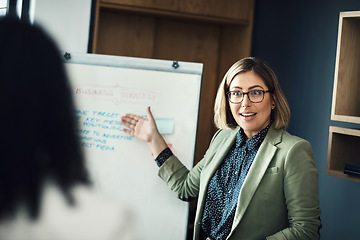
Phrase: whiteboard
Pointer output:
(105, 88)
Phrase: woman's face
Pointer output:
(251, 117)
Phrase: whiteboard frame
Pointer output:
(134, 63)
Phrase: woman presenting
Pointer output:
(256, 181)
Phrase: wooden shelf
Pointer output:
(343, 142)
(343, 147)
(346, 94)
(227, 11)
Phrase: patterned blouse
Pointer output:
(224, 187)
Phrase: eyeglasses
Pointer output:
(254, 96)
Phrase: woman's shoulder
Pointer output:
(98, 200)
(283, 136)
(285, 140)
(94, 215)
(98, 214)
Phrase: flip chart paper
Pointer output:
(121, 165)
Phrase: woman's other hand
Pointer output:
(145, 129)
(141, 128)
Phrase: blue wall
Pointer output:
(298, 39)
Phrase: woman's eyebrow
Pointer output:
(255, 86)
(236, 87)
(252, 87)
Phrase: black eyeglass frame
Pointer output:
(247, 93)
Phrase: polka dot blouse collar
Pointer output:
(254, 141)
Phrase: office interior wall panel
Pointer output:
(195, 42)
(125, 35)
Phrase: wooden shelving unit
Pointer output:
(344, 146)
(346, 94)
(344, 143)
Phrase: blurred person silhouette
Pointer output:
(45, 191)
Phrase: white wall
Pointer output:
(67, 21)
(3, 5)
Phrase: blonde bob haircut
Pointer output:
(222, 114)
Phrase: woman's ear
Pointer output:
(273, 101)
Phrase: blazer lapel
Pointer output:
(256, 172)
(222, 149)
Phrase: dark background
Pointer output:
(299, 39)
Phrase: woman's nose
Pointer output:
(246, 101)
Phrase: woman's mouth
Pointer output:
(247, 114)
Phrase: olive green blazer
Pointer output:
(279, 198)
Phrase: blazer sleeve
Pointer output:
(301, 194)
(184, 182)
